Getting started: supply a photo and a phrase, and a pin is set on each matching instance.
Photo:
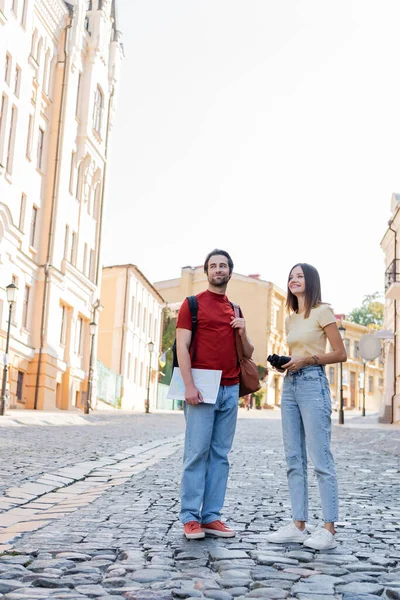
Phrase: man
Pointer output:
(210, 428)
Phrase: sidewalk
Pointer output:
(20, 418)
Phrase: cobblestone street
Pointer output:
(90, 511)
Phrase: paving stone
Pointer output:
(360, 587)
(226, 554)
(272, 593)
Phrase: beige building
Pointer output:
(263, 305)
(390, 244)
(353, 372)
(131, 319)
(57, 97)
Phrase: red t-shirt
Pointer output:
(214, 343)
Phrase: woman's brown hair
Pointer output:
(312, 290)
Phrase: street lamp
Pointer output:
(363, 404)
(150, 346)
(92, 331)
(342, 331)
(11, 291)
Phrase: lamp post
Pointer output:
(92, 331)
(11, 291)
(150, 346)
(363, 404)
(342, 331)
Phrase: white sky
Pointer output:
(268, 128)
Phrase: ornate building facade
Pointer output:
(57, 103)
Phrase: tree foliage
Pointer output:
(370, 313)
(168, 338)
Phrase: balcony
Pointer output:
(392, 280)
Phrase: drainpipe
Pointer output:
(47, 266)
(394, 327)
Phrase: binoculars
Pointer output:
(278, 361)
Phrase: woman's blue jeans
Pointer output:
(210, 429)
(306, 424)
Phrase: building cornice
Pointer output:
(54, 14)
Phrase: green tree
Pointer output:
(370, 313)
(168, 338)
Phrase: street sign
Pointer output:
(370, 346)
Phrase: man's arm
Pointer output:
(240, 324)
(183, 339)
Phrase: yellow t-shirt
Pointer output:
(306, 337)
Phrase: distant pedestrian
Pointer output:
(210, 428)
(306, 407)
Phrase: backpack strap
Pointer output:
(194, 308)
(239, 349)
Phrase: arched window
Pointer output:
(98, 110)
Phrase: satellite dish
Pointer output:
(370, 346)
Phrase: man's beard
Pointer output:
(221, 282)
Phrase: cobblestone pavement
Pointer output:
(92, 513)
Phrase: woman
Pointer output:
(306, 407)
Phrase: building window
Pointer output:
(30, 137)
(46, 70)
(129, 365)
(85, 257)
(380, 382)
(133, 309)
(17, 81)
(150, 324)
(72, 173)
(144, 319)
(23, 13)
(91, 265)
(79, 337)
(66, 242)
(20, 386)
(141, 375)
(78, 96)
(139, 310)
(347, 346)
(14, 7)
(32, 234)
(39, 161)
(11, 140)
(22, 213)
(25, 307)
(63, 330)
(7, 69)
(135, 370)
(371, 384)
(98, 110)
(356, 350)
(3, 107)
(332, 375)
(155, 330)
(73, 249)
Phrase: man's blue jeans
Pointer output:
(210, 429)
(306, 422)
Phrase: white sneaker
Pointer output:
(321, 539)
(288, 533)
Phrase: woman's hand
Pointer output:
(298, 362)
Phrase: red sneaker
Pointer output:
(193, 531)
(219, 529)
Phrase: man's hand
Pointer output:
(193, 395)
(240, 324)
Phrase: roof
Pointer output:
(139, 272)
